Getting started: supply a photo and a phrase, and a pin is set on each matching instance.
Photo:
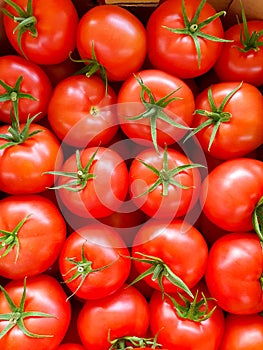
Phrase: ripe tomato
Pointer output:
(41, 42)
(25, 89)
(165, 184)
(78, 112)
(243, 332)
(234, 273)
(122, 313)
(178, 37)
(242, 59)
(117, 37)
(25, 223)
(187, 324)
(28, 156)
(167, 248)
(37, 314)
(89, 185)
(93, 263)
(231, 193)
(70, 346)
(228, 120)
(154, 106)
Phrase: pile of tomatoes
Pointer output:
(131, 177)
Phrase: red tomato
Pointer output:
(81, 114)
(158, 239)
(94, 175)
(243, 332)
(24, 162)
(175, 38)
(120, 314)
(70, 346)
(234, 273)
(41, 294)
(242, 59)
(164, 185)
(152, 102)
(233, 111)
(41, 42)
(28, 97)
(25, 223)
(93, 261)
(118, 39)
(231, 193)
(182, 324)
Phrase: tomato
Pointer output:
(70, 346)
(243, 332)
(228, 122)
(164, 250)
(26, 221)
(187, 324)
(118, 40)
(165, 184)
(37, 314)
(41, 42)
(242, 59)
(81, 114)
(154, 106)
(120, 314)
(93, 261)
(231, 192)
(178, 37)
(28, 156)
(24, 87)
(234, 273)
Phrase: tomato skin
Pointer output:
(43, 293)
(243, 332)
(161, 84)
(70, 346)
(22, 165)
(53, 43)
(175, 332)
(236, 187)
(102, 246)
(173, 242)
(35, 82)
(44, 224)
(119, 40)
(178, 201)
(123, 313)
(166, 49)
(102, 194)
(78, 113)
(242, 134)
(236, 259)
(234, 65)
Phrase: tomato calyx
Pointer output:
(257, 220)
(9, 239)
(197, 311)
(215, 117)
(25, 19)
(13, 94)
(154, 110)
(165, 176)
(247, 40)
(194, 29)
(132, 342)
(158, 271)
(80, 177)
(92, 66)
(82, 269)
(18, 314)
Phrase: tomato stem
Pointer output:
(131, 342)
(257, 220)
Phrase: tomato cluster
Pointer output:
(131, 177)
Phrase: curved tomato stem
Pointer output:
(257, 220)
(25, 19)
(194, 29)
(154, 109)
(18, 314)
(132, 342)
